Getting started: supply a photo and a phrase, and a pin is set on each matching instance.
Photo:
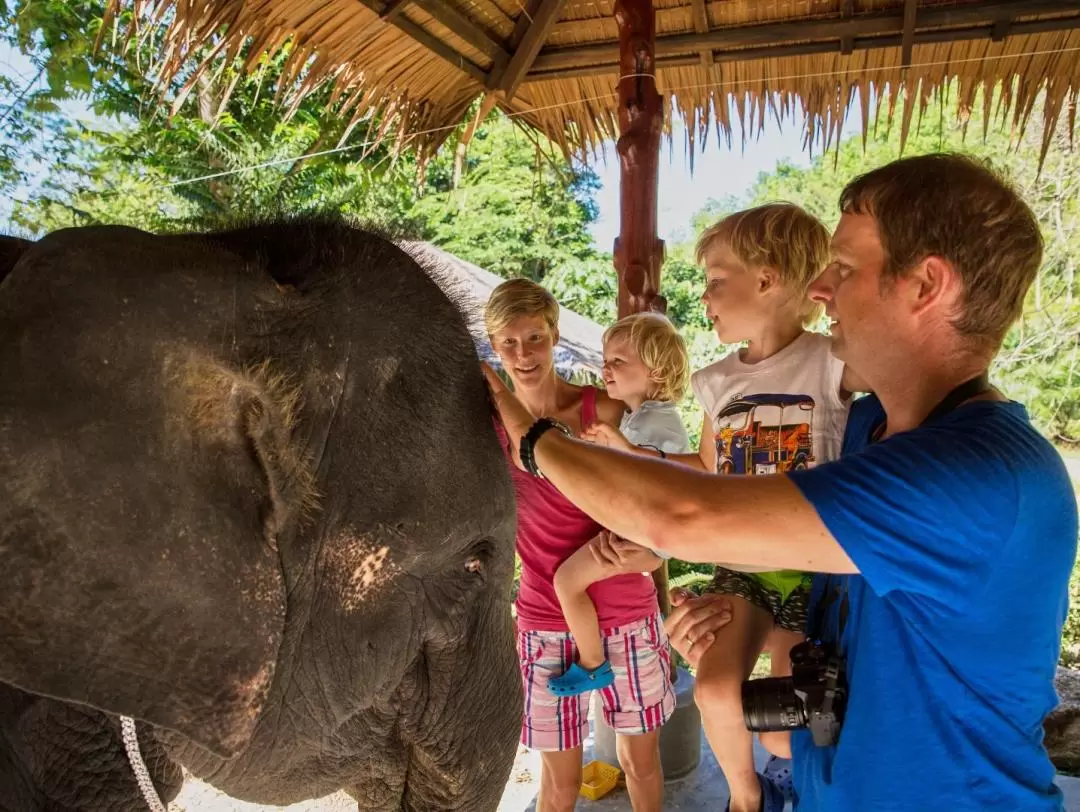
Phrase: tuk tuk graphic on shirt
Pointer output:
(765, 434)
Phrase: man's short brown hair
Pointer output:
(954, 207)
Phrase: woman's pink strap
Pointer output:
(588, 406)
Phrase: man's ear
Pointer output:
(933, 283)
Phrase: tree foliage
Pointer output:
(517, 210)
(225, 151)
(144, 157)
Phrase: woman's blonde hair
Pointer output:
(519, 297)
(780, 236)
(661, 349)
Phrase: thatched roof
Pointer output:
(418, 65)
(578, 355)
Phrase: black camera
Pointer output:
(814, 696)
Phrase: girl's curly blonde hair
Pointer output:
(661, 349)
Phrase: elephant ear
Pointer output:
(140, 511)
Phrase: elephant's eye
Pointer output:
(474, 564)
(478, 556)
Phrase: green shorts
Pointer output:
(784, 594)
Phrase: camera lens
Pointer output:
(772, 704)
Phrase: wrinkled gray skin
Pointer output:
(251, 495)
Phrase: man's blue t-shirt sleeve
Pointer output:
(893, 505)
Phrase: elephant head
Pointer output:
(251, 495)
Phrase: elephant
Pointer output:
(253, 499)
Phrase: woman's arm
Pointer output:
(608, 410)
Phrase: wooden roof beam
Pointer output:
(701, 26)
(523, 23)
(987, 31)
(911, 7)
(429, 41)
(393, 9)
(507, 81)
(767, 34)
(466, 29)
(847, 42)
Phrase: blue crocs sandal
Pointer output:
(578, 680)
(771, 798)
(778, 772)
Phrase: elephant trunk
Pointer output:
(465, 741)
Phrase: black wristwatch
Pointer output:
(528, 442)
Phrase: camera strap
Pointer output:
(836, 589)
(959, 395)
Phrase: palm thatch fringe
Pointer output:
(413, 76)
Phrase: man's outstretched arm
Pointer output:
(744, 521)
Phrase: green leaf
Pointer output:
(80, 76)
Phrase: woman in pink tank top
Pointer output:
(522, 324)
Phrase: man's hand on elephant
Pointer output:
(694, 621)
(516, 419)
(626, 556)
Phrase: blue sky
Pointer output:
(718, 172)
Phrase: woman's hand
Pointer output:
(625, 556)
(606, 435)
(694, 621)
(516, 419)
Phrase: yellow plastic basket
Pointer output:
(598, 779)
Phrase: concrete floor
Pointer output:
(704, 790)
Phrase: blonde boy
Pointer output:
(646, 366)
(777, 404)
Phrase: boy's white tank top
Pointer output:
(777, 415)
(780, 414)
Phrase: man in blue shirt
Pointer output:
(951, 631)
(946, 532)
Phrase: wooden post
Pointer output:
(639, 252)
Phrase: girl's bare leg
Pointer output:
(640, 759)
(575, 575)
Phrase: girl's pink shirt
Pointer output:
(549, 530)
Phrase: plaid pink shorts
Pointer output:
(640, 700)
